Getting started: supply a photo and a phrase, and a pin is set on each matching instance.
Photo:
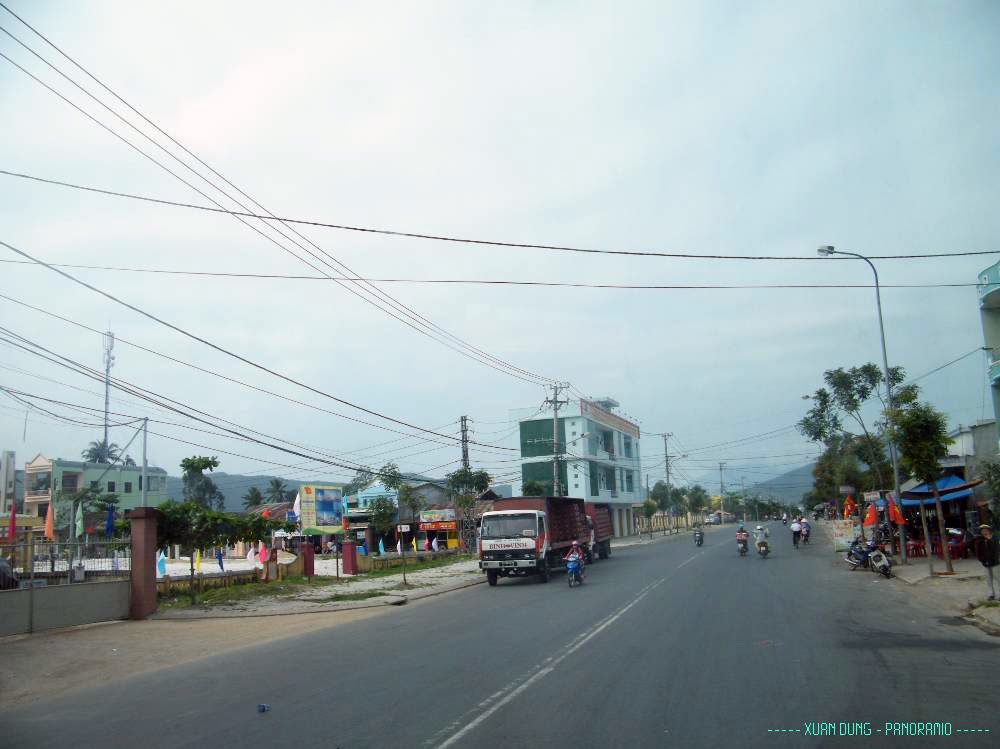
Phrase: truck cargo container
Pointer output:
(602, 529)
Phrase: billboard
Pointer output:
(322, 507)
(437, 516)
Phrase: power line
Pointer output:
(416, 317)
(229, 353)
(496, 281)
(468, 240)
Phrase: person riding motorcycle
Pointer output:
(575, 548)
(741, 535)
(796, 529)
(784, 518)
(760, 536)
(806, 529)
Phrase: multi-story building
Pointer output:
(45, 479)
(8, 482)
(989, 313)
(598, 457)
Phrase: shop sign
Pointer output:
(872, 497)
(843, 534)
(404, 529)
(437, 516)
(441, 526)
(361, 535)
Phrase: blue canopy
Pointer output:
(943, 485)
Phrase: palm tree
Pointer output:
(253, 498)
(101, 452)
(276, 491)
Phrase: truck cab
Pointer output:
(513, 543)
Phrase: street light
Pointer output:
(829, 250)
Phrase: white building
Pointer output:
(599, 457)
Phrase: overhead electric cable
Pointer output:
(488, 242)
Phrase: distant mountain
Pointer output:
(789, 487)
(233, 486)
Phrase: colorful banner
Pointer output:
(439, 526)
(322, 507)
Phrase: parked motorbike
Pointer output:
(860, 553)
(574, 570)
(742, 543)
(879, 563)
(699, 537)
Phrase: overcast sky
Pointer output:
(708, 128)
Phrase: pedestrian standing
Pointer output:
(988, 551)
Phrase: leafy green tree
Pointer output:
(193, 526)
(101, 452)
(253, 498)
(921, 433)
(649, 509)
(199, 488)
(129, 462)
(697, 499)
(363, 477)
(275, 491)
(390, 477)
(990, 472)
(412, 500)
(381, 512)
(532, 488)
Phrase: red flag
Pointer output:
(849, 507)
(12, 528)
(871, 516)
(895, 515)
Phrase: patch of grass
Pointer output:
(287, 588)
(418, 566)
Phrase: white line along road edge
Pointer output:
(496, 701)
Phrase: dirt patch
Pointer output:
(44, 665)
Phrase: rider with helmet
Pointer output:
(760, 535)
(575, 548)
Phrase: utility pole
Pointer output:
(142, 479)
(557, 387)
(743, 492)
(109, 360)
(722, 492)
(666, 464)
(465, 442)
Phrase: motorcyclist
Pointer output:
(784, 518)
(796, 529)
(760, 536)
(575, 548)
(806, 528)
(741, 534)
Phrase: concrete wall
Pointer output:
(63, 606)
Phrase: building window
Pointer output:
(128, 487)
(94, 485)
(627, 448)
(629, 482)
(111, 487)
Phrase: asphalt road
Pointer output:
(665, 645)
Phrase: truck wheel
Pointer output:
(589, 556)
(543, 571)
(605, 551)
(491, 577)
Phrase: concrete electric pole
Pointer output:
(109, 360)
(465, 442)
(722, 492)
(556, 403)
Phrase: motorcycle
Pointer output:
(784, 521)
(574, 570)
(860, 553)
(763, 549)
(879, 563)
(805, 535)
(741, 543)
(699, 537)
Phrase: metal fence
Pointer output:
(61, 563)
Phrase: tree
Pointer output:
(129, 462)
(533, 488)
(381, 512)
(466, 484)
(649, 509)
(193, 526)
(275, 491)
(921, 433)
(849, 391)
(363, 477)
(697, 499)
(101, 452)
(199, 488)
(253, 498)
(411, 499)
(390, 477)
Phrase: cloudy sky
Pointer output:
(707, 128)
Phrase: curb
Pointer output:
(381, 602)
(987, 626)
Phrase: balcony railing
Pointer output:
(995, 371)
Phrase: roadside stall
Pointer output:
(959, 522)
(437, 525)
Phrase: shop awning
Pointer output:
(949, 487)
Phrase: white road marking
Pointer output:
(509, 693)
